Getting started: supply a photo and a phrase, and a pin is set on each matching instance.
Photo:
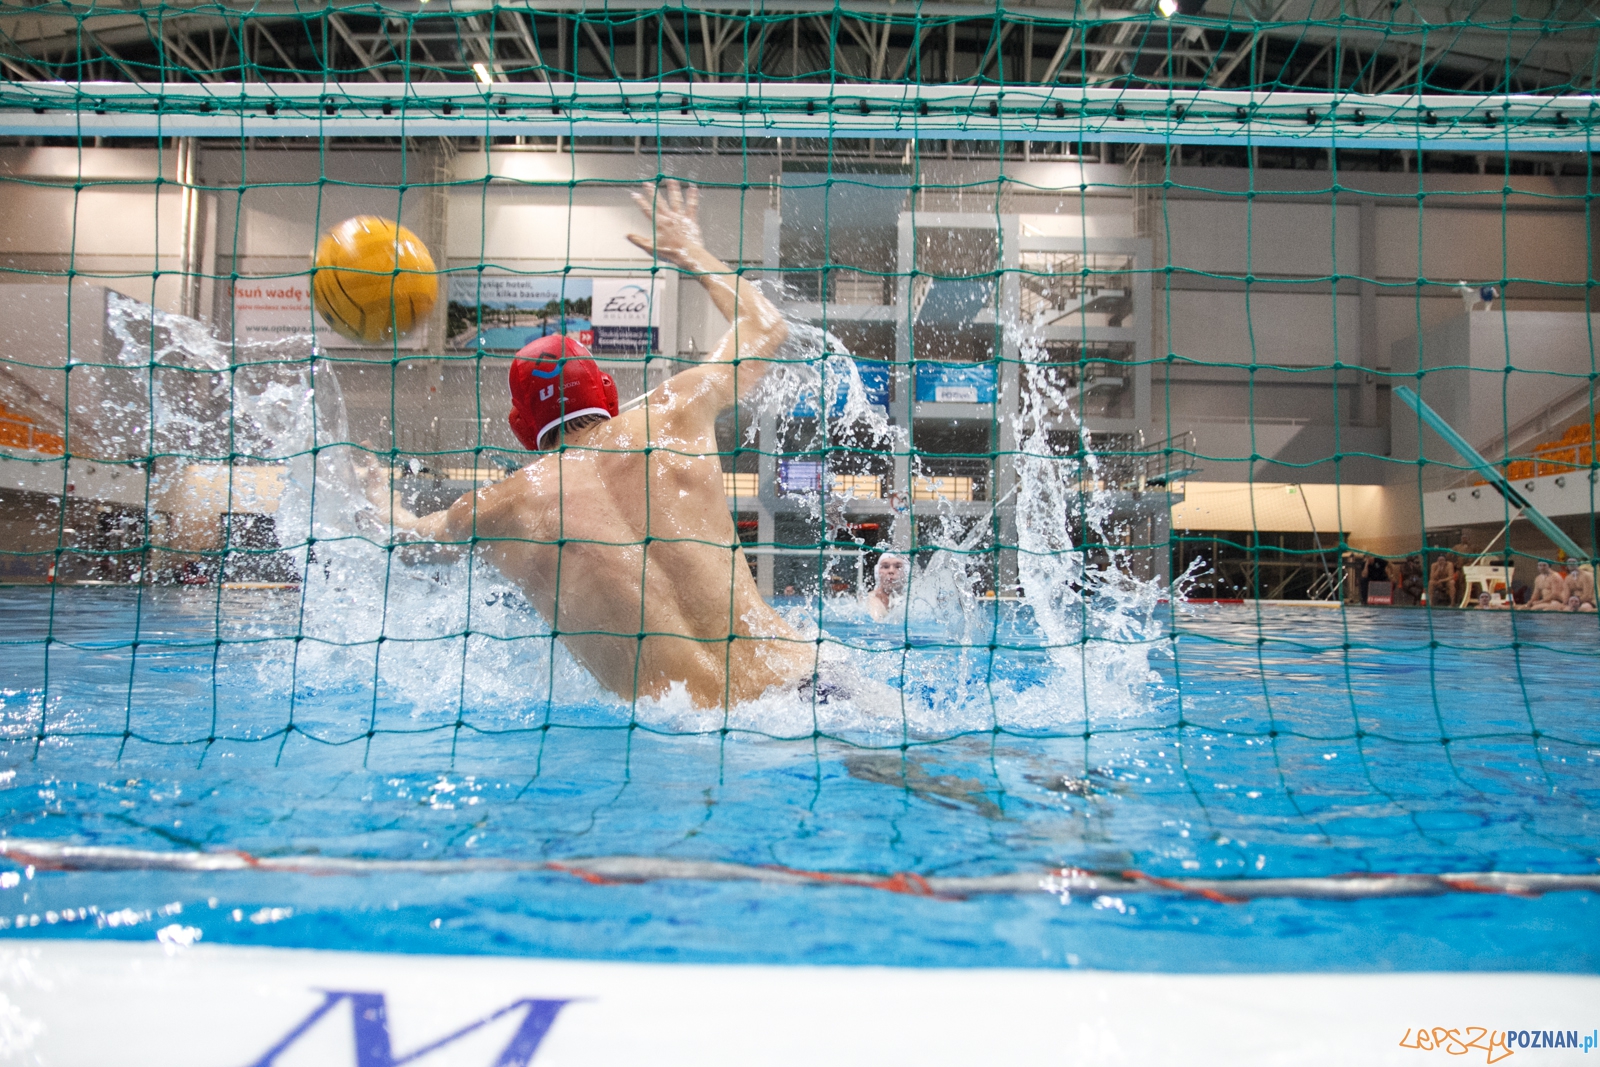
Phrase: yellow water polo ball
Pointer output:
(373, 280)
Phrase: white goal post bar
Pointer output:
(1473, 122)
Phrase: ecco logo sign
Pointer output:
(634, 301)
(627, 302)
(370, 1017)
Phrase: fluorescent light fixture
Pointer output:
(486, 78)
(1168, 8)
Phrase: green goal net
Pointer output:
(1102, 326)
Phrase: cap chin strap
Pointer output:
(580, 413)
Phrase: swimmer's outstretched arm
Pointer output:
(439, 526)
(757, 329)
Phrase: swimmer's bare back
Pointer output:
(621, 535)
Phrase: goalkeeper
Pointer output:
(620, 533)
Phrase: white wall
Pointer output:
(119, 230)
(1264, 238)
(287, 204)
(1551, 355)
(1280, 328)
(1292, 239)
(1452, 244)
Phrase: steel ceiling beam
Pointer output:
(368, 62)
(1490, 122)
(1542, 58)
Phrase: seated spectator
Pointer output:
(1549, 590)
(1580, 583)
(1368, 570)
(1442, 585)
(1411, 581)
(1377, 571)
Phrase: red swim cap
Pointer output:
(553, 381)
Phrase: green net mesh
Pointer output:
(1101, 318)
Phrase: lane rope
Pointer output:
(48, 855)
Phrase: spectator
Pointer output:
(1549, 590)
(1394, 572)
(1580, 583)
(1376, 571)
(1411, 579)
(1442, 585)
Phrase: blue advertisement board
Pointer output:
(955, 383)
(874, 381)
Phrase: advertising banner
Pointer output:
(955, 383)
(874, 383)
(269, 309)
(503, 312)
(627, 315)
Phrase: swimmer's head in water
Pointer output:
(891, 572)
(554, 381)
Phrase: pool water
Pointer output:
(1267, 743)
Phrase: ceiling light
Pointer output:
(484, 76)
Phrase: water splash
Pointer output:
(413, 632)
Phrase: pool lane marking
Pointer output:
(1469, 883)
(624, 870)
(901, 882)
(1177, 886)
(579, 872)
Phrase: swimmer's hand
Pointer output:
(374, 482)
(373, 478)
(398, 524)
(675, 216)
(756, 330)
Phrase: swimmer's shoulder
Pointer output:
(517, 500)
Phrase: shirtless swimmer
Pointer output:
(627, 516)
(889, 575)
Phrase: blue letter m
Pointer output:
(371, 1024)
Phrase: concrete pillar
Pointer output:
(902, 404)
(435, 168)
(1008, 402)
(197, 239)
(766, 422)
(1366, 397)
(767, 494)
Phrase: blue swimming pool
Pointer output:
(1266, 743)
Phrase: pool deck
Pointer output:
(79, 1002)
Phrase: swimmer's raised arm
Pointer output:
(745, 352)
